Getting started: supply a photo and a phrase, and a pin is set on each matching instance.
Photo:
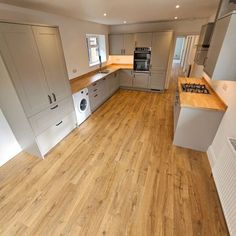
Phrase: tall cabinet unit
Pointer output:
(33, 61)
(221, 57)
(160, 57)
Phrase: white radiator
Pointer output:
(224, 172)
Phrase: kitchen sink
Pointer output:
(104, 71)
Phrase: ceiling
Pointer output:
(118, 11)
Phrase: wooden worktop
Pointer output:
(195, 100)
(84, 81)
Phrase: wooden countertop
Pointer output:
(195, 100)
(85, 80)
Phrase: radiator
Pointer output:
(224, 172)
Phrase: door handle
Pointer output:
(50, 99)
(54, 97)
(52, 108)
(59, 123)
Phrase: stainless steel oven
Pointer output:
(142, 58)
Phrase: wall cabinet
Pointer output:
(143, 40)
(38, 81)
(121, 44)
(221, 56)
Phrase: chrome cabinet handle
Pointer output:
(52, 108)
(50, 99)
(59, 123)
(54, 97)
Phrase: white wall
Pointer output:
(73, 34)
(180, 27)
(9, 147)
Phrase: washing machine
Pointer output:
(82, 106)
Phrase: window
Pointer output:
(96, 47)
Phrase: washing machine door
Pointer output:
(83, 105)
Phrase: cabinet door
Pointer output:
(141, 80)
(20, 54)
(104, 88)
(116, 44)
(129, 44)
(143, 40)
(126, 78)
(157, 80)
(216, 44)
(161, 46)
(52, 57)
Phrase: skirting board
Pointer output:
(211, 156)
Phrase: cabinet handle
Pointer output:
(52, 108)
(94, 84)
(54, 97)
(94, 90)
(121, 51)
(124, 51)
(59, 123)
(50, 99)
(95, 95)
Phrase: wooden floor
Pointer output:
(118, 174)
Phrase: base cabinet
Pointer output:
(195, 128)
(157, 80)
(126, 78)
(141, 80)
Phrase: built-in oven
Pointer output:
(142, 58)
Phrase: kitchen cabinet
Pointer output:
(160, 57)
(141, 80)
(37, 86)
(121, 44)
(95, 95)
(126, 78)
(221, 56)
(143, 40)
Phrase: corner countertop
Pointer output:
(85, 80)
(201, 101)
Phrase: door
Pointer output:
(116, 44)
(143, 40)
(129, 44)
(52, 57)
(20, 55)
(141, 80)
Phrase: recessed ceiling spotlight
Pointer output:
(177, 6)
(125, 21)
(105, 14)
(176, 17)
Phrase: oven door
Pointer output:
(141, 65)
(142, 55)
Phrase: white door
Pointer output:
(116, 44)
(129, 44)
(20, 55)
(143, 40)
(52, 57)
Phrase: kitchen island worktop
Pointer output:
(197, 100)
(84, 81)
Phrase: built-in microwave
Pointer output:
(142, 58)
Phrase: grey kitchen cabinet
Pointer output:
(20, 53)
(121, 44)
(221, 57)
(36, 79)
(116, 44)
(161, 52)
(96, 96)
(52, 57)
(141, 80)
(126, 78)
(157, 80)
(143, 40)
